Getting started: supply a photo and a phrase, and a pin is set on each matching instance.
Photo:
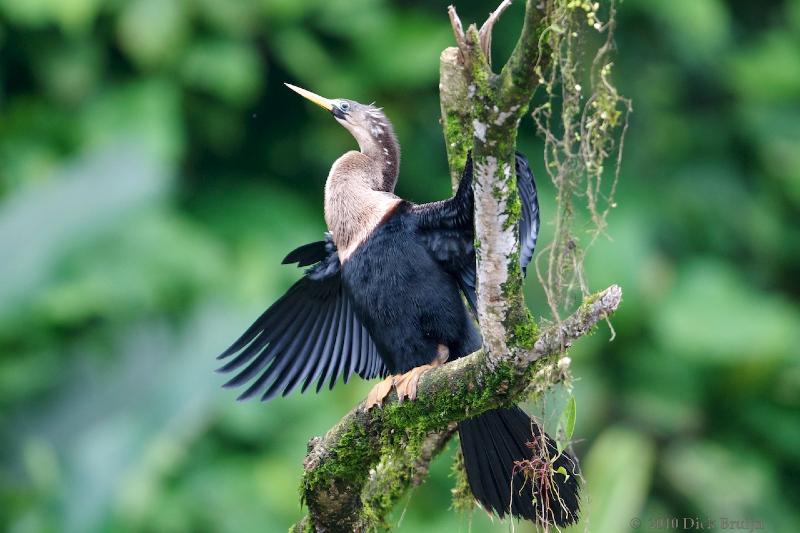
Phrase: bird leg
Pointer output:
(406, 385)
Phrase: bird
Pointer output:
(391, 292)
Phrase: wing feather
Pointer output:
(341, 356)
(447, 227)
(306, 255)
(286, 365)
(301, 366)
(331, 349)
(309, 333)
(355, 343)
(322, 348)
(275, 358)
(286, 314)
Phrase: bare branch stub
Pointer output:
(364, 464)
(485, 33)
(458, 28)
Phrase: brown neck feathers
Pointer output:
(354, 207)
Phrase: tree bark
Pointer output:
(355, 474)
(495, 104)
(340, 465)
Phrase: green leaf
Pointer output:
(228, 69)
(568, 417)
(152, 33)
(759, 326)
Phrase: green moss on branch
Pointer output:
(342, 465)
(358, 471)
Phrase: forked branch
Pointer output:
(356, 473)
(370, 458)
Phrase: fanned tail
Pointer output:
(505, 455)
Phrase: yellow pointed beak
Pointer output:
(324, 103)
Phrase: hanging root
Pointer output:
(582, 127)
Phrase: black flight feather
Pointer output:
(529, 221)
(310, 333)
(447, 227)
(306, 255)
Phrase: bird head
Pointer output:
(366, 123)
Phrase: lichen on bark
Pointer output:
(340, 467)
(456, 125)
(358, 471)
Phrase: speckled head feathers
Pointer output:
(375, 136)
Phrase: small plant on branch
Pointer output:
(357, 472)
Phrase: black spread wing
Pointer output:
(447, 227)
(310, 334)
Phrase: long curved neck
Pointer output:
(383, 148)
(377, 141)
(353, 205)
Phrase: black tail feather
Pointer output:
(505, 454)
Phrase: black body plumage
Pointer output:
(403, 284)
(404, 297)
(386, 309)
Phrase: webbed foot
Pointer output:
(406, 384)
(380, 391)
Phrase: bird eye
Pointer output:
(344, 106)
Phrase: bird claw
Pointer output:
(379, 392)
(406, 384)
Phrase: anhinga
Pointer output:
(383, 297)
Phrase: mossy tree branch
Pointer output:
(371, 448)
(356, 473)
(495, 104)
(517, 81)
(456, 116)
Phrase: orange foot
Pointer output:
(406, 384)
(380, 391)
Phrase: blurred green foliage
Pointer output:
(153, 172)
